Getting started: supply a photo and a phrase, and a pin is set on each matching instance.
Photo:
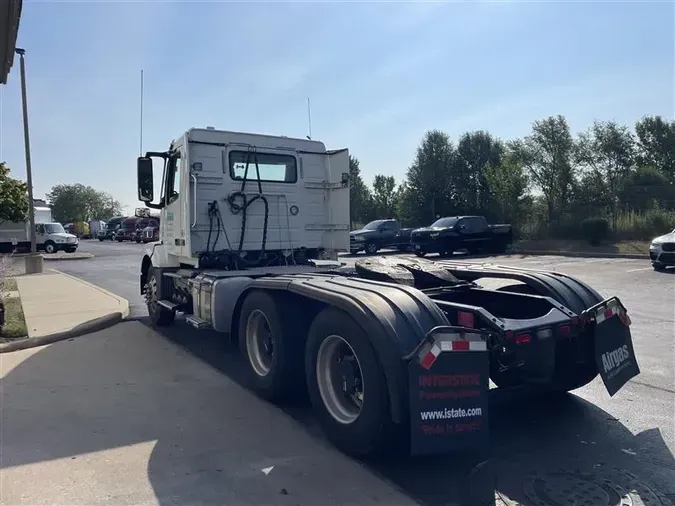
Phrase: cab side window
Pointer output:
(40, 228)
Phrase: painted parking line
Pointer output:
(640, 269)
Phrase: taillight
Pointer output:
(523, 338)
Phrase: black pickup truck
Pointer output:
(472, 233)
(379, 234)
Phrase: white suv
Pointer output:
(662, 251)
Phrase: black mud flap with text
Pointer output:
(614, 353)
(449, 385)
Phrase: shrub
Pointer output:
(595, 230)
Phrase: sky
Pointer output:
(379, 75)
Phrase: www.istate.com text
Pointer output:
(450, 413)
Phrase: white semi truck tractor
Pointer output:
(250, 229)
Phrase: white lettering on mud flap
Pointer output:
(613, 359)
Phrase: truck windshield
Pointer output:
(54, 228)
(373, 225)
(444, 223)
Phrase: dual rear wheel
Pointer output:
(329, 357)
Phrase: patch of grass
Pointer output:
(576, 246)
(8, 285)
(15, 322)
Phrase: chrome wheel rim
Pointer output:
(339, 379)
(259, 342)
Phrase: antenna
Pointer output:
(141, 148)
(309, 119)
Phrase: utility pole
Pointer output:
(33, 261)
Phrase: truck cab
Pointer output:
(247, 197)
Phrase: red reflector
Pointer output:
(609, 313)
(465, 319)
(428, 360)
(523, 338)
(565, 330)
(460, 346)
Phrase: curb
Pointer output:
(88, 327)
(95, 325)
(579, 254)
(69, 258)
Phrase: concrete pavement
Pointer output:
(59, 306)
(126, 417)
(130, 416)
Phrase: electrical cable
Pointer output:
(244, 203)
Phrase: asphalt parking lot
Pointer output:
(132, 416)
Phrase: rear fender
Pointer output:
(396, 319)
(570, 292)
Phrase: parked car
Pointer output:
(379, 234)
(453, 233)
(662, 251)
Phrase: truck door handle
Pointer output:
(194, 200)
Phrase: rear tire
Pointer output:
(420, 253)
(271, 348)
(371, 429)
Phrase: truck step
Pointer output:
(197, 322)
(171, 306)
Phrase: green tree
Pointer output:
(384, 196)
(428, 186)
(646, 186)
(77, 202)
(508, 184)
(13, 197)
(607, 151)
(360, 198)
(547, 153)
(475, 151)
(656, 144)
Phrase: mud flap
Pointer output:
(448, 388)
(613, 344)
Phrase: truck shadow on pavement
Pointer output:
(127, 385)
(546, 453)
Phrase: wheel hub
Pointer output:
(259, 343)
(339, 379)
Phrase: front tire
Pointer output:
(50, 247)
(270, 347)
(356, 418)
(159, 315)
(659, 267)
(420, 253)
(371, 248)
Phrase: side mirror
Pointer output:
(146, 186)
